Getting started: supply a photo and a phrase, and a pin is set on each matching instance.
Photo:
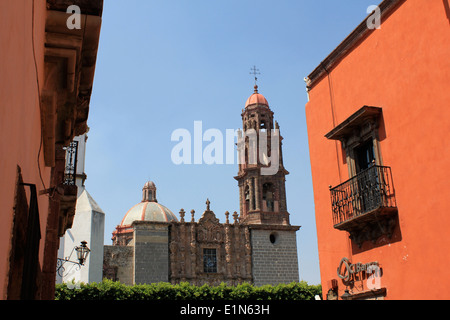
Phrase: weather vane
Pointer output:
(255, 72)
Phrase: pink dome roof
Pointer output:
(148, 211)
(256, 98)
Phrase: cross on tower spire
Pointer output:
(255, 72)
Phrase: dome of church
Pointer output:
(148, 209)
(256, 98)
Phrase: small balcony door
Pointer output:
(368, 184)
(364, 156)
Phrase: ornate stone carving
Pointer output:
(188, 239)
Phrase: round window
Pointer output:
(273, 237)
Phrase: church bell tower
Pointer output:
(261, 175)
(262, 195)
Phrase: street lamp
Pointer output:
(82, 254)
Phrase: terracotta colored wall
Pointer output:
(404, 68)
(20, 126)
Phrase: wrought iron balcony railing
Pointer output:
(71, 163)
(370, 191)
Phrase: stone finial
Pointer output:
(235, 217)
(192, 215)
(182, 212)
(226, 215)
(207, 205)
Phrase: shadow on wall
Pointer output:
(447, 9)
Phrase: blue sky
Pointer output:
(164, 64)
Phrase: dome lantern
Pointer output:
(149, 192)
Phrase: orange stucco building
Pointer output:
(46, 78)
(378, 120)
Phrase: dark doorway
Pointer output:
(364, 156)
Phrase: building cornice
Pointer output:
(273, 227)
(69, 62)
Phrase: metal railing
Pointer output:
(370, 189)
(71, 163)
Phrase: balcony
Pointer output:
(365, 205)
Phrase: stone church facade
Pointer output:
(208, 251)
(256, 246)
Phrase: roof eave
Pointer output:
(348, 44)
